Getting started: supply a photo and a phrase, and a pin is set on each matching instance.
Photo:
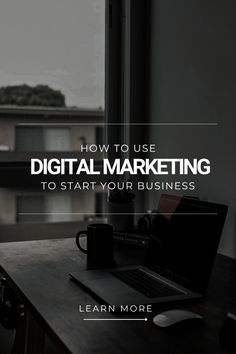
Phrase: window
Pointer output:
(62, 46)
(42, 139)
(57, 139)
(34, 203)
(54, 58)
(29, 139)
(50, 207)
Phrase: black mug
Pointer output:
(99, 245)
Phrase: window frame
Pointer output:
(127, 76)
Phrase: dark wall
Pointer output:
(193, 79)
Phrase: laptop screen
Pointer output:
(184, 241)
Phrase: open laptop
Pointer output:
(178, 262)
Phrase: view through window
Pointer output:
(51, 99)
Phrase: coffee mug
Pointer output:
(99, 245)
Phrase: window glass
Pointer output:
(29, 139)
(57, 139)
(51, 101)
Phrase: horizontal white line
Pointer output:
(121, 124)
(115, 319)
(104, 214)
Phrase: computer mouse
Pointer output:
(175, 317)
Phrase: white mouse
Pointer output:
(173, 317)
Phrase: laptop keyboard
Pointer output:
(145, 283)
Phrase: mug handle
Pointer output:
(78, 242)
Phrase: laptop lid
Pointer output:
(184, 241)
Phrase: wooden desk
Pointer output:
(37, 271)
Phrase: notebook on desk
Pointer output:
(178, 262)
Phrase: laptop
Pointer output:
(178, 262)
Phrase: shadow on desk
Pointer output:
(7, 339)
